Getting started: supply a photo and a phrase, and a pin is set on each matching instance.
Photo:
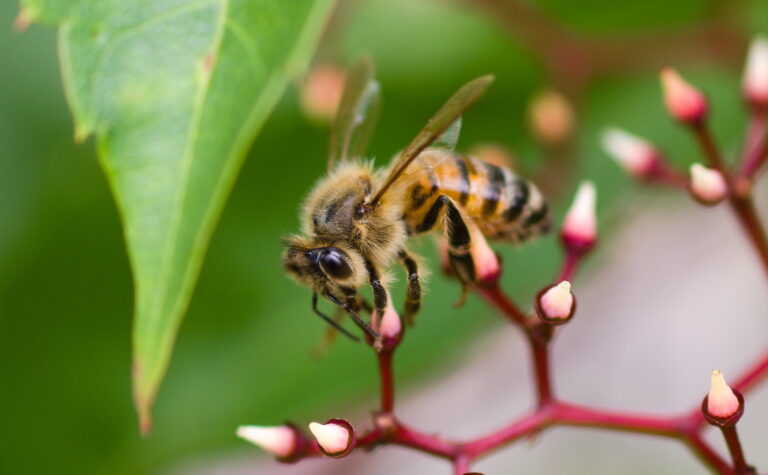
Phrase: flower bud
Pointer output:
(321, 93)
(755, 82)
(551, 117)
(487, 265)
(281, 441)
(723, 406)
(707, 185)
(722, 402)
(556, 304)
(390, 325)
(684, 102)
(580, 225)
(637, 156)
(335, 438)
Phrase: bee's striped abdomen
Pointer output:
(505, 206)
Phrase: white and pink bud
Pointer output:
(335, 438)
(684, 102)
(636, 155)
(579, 232)
(487, 265)
(556, 303)
(723, 406)
(281, 441)
(389, 325)
(755, 81)
(551, 117)
(322, 91)
(707, 185)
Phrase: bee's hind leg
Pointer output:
(459, 241)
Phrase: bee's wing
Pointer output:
(357, 113)
(450, 137)
(446, 119)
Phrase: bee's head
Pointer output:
(324, 267)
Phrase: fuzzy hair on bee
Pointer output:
(332, 218)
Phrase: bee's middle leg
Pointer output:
(413, 294)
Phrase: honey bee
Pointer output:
(357, 219)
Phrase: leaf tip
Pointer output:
(145, 423)
(143, 402)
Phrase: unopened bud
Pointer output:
(556, 304)
(684, 102)
(580, 225)
(322, 92)
(487, 265)
(389, 326)
(755, 82)
(279, 440)
(637, 156)
(335, 438)
(551, 117)
(707, 185)
(722, 406)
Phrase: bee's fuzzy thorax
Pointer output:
(329, 212)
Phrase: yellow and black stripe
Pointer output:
(504, 206)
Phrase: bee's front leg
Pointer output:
(335, 324)
(353, 313)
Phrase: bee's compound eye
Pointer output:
(334, 264)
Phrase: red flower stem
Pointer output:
(570, 263)
(706, 454)
(539, 420)
(429, 443)
(707, 145)
(744, 208)
(496, 297)
(574, 415)
(551, 414)
(753, 375)
(734, 447)
(387, 381)
(461, 465)
(540, 355)
(740, 200)
(673, 427)
(666, 175)
(755, 144)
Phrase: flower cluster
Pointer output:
(555, 304)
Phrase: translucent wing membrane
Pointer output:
(450, 137)
(356, 115)
(448, 117)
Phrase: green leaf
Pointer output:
(175, 91)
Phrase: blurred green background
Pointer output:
(244, 353)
